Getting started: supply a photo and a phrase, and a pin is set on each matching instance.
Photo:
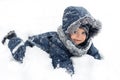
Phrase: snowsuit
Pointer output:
(58, 44)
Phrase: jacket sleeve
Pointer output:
(59, 61)
(94, 52)
(42, 41)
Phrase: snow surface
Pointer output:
(30, 17)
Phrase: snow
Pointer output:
(29, 17)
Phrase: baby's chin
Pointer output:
(77, 43)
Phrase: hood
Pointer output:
(73, 18)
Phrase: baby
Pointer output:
(73, 38)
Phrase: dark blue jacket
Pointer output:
(50, 43)
(60, 55)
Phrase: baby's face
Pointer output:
(78, 36)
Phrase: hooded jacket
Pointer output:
(59, 45)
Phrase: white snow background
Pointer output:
(31, 17)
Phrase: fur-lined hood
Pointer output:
(73, 18)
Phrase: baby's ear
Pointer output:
(95, 28)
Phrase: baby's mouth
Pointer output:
(76, 40)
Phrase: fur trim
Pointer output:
(93, 29)
(96, 27)
(70, 46)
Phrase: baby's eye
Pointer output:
(75, 32)
(83, 33)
